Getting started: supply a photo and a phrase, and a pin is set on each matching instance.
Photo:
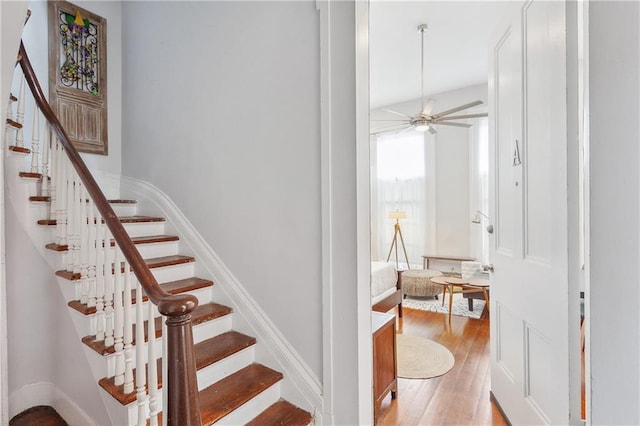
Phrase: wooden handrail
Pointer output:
(183, 407)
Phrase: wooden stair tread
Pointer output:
(174, 287)
(19, 149)
(30, 175)
(13, 124)
(136, 240)
(117, 391)
(282, 413)
(46, 199)
(207, 352)
(140, 219)
(224, 396)
(201, 314)
(39, 199)
(120, 201)
(162, 261)
(123, 219)
(155, 262)
(221, 346)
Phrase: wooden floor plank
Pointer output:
(460, 397)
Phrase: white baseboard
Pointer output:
(45, 393)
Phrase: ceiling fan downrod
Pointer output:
(421, 29)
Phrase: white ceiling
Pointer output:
(456, 46)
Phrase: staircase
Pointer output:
(114, 315)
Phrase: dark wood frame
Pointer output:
(385, 356)
(82, 114)
(394, 299)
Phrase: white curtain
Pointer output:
(399, 183)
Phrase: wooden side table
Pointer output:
(385, 377)
(429, 257)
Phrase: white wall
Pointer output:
(451, 183)
(35, 39)
(221, 112)
(614, 64)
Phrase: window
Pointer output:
(398, 183)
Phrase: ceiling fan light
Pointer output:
(421, 126)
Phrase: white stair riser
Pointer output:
(252, 408)
(225, 367)
(124, 209)
(174, 272)
(144, 229)
(149, 251)
(212, 328)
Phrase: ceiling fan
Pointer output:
(424, 120)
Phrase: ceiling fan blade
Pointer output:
(446, 123)
(398, 119)
(396, 128)
(456, 109)
(428, 106)
(462, 117)
(396, 113)
(432, 130)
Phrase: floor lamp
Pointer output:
(397, 215)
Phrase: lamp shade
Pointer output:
(397, 214)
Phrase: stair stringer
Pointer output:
(300, 385)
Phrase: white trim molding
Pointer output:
(346, 392)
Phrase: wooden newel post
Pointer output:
(182, 385)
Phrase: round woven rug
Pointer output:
(420, 358)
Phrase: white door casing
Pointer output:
(529, 250)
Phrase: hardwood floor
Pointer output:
(460, 397)
(40, 415)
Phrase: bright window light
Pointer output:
(400, 157)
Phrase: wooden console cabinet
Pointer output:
(385, 378)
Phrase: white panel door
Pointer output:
(529, 248)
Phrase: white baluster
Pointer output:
(153, 369)
(35, 141)
(8, 129)
(77, 221)
(108, 290)
(128, 332)
(92, 242)
(44, 189)
(69, 217)
(141, 376)
(53, 184)
(118, 318)
(61, 197)
(20, 115)
(83, 225)
(101, 271)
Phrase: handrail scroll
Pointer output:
(181, 384)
